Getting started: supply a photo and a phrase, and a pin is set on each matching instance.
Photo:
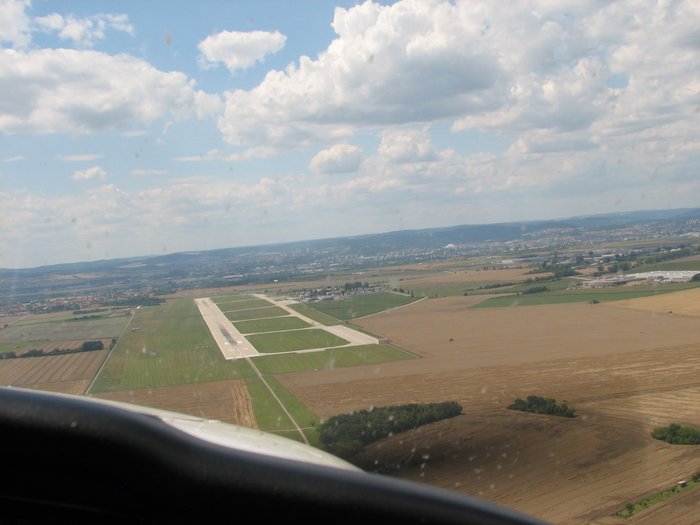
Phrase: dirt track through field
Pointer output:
(625, 371)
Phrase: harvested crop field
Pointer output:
(227, 401)
(686, 302)
(580, 470)
(70, 373)
(624, 371)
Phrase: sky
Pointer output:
(141, 128)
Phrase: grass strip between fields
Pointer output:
(362, 305)
(634, 508)
(578, 296)
(328, 359)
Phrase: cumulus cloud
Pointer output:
(14, 23)
(64, 90)
(14, 158)
(413, 61)
(83, 31)
(239, 50)
(406, 146)
(93, 173)
(340, 158)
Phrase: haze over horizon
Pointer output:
(141, 129)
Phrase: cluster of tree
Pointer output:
(559, 270)
(136, 300)
(677, 435)
(542, 405)
(536, 289)
(87, 346)
(345, 435)
(85, 317)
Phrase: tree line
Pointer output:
(87, 346)
(346, 434)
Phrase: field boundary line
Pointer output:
(279, 401)
(391, 309)
(99, 371)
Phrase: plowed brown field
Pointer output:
(227, 401)
(625, 371)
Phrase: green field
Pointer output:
(306, 419)
(294, 340)
(270, 325)
(361, 305)
(218, 299)
(332, 358)
(682, 265)
(243, 305)
(171, 346)
(314, 314)
(256, 313)
(583, 295)
(54, 330)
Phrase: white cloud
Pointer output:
(83, 31)
(81, 157)
(148, 172)
(93, 173)
(14, 23)
(64, 90)
(15, 158)
(340, 158)
(239, 50)
(413, 61)
(406, 146)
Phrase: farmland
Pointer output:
(59, 327)
(625, 370)
(293, 340)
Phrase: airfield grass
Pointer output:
(229, 298)
(314, 314)
(306, 419)
(688, 265)
(270, 325)
(243, 305)
(53, 330)
(172, 346)
(268, 414)
(363, 304)
(292, 340)
(256, 313)
(583, 295)
(331, 358)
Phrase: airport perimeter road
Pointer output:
(231, 343)
(350, 334)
